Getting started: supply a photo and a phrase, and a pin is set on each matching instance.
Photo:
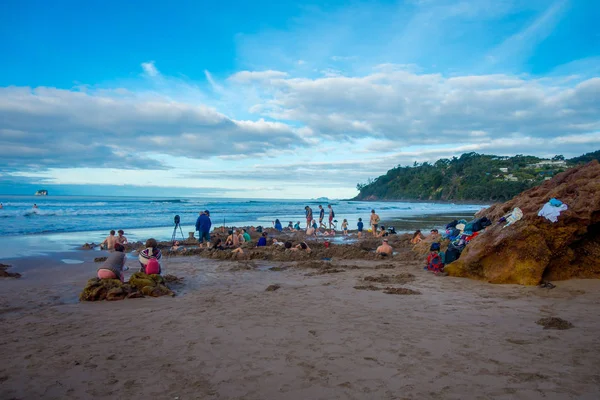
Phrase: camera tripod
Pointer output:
(177, 220)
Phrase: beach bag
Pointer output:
(153, 267)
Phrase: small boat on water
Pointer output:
(41, 193)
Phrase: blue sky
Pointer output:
(286, 99)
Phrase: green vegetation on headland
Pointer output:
(472, 176)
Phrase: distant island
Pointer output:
(470, 177)
(41, 193)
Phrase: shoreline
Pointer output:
(48, 243)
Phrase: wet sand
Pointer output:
(316, 337)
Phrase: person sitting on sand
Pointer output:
(246, 236)
(277, 225)
(262, 241)
(360, 227)
(297, 226)
(114, 265)
(301, 246)
(151, 252)
(121, 239)
(177, 246)
(382, 232)
(218, 245)
(109, 242)
(434, 234)
(345, 227)
(240, 238)
(310, 231)
(385, 249)
(417, 238)
(229, 240)
(291, 226)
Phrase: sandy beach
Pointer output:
(316, 337)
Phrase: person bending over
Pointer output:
(150, 258)
(114, 265)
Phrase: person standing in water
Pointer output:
(321, 217)
(309, 216)
(360, 226)
(374, 222)
(35, 206)
(331, 216)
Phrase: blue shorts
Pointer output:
(204, 235)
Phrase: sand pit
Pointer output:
(394, 279)
(367, 287)
(391, 290)
(554, 323)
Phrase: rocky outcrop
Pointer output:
(535, 248)
(5, 274)
(139, 285)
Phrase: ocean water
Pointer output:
(61, 220)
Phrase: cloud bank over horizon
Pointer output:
(310, 125)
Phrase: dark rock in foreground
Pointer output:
(5, 274)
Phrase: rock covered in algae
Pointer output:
(535, 248)
(139, 285)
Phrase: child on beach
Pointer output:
(434, 260)
(297, 226)
(114, 265)
(345, 227)
(360, 227)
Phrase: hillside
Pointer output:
(472, 176)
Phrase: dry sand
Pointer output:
(316, 337)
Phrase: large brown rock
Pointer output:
(534, 248)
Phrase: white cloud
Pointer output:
(150, 69)
(251, 76)
(413, 108)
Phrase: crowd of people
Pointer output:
(239, 239)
